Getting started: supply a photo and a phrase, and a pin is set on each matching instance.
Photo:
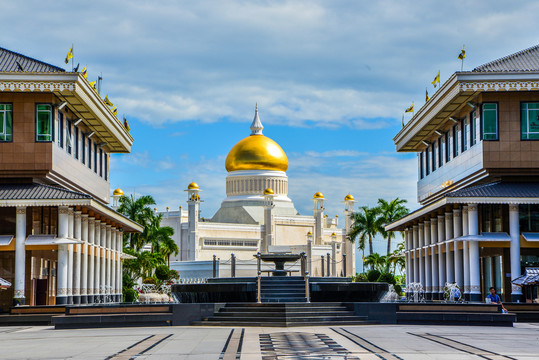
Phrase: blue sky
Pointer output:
(331, 79)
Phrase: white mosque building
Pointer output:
(258, 216)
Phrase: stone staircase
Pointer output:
(278, 289)
(283, 315)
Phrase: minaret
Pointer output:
(318, 199)
(256, 126)
(193, 211)
(349, 247)
(267, 240)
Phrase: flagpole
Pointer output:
(72, 58)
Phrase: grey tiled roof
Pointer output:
(9, 59)
(525, 60)
(37, 191)
(499, 189)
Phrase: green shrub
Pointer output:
(373, 275)
(174, 275)
(130, 295)
(360, 278)
(149, 280)
(387, 278)
(162, 272)
(398, 289)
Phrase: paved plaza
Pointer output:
(353, 342)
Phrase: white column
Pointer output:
(465, 253)
(434, 257)
(415, 238)
(77, 234)
(449, 262)
(97, 266)
(70, 226)
(20, 256)
(113, 254)
(119, 266)
(108, 254)
(428, 268)
(102, 276)
(475, 275)
(91, 261)
(61, 270)
(514, 232)
(84, 260)
(457, 232)
(441, 255)
(409, 269)
(421, 233)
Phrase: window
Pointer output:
(6, 122)
(83, 147)
(101, 162)
(76, 137)
(69, 137)
(106, 166)
(89, 153)
(427, 169)
(440, 153)
(490, 121)
(465, 129)
(473, 128)
(95, 157)
(44, 125)
(455, 140)
(447, 147)
(421, 172)
(433, 147)
(529, 121)
(60, 129)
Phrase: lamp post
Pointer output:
(309, 251)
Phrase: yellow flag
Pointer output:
(126, 125)
(436, 80)
(69, 54)
(426, 95)
(84, 72)
(114, 111)
(410, 109)
(92, 83)
(107, 101)
(462, 54)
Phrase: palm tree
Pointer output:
(390, 212)
(139, 211)
(366, 224)
(377, 261)
(169, 247)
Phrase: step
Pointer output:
(282, 323)
(26, 319)
(288, 318)
(277, 314)
(111, 320)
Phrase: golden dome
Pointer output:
(348, 197)
(318, 195)
(192, 186)
(333, 234)
(256, 152)
(309, 233)
(118, 192)
(268, 191)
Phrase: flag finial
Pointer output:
(256, 126)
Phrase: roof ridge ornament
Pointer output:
(256, 126)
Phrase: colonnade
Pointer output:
(436, 253)
(87, 272)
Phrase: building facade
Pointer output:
(60, 242)
(476, 141)
(258, 216)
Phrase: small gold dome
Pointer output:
(349, 197)
(318, 195)
(192, 186)
(268, 191)
(118, 192)
(309, 233)
(256, 152)
(333, 234)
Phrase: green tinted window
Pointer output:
(490, 121)
(529, 121)
(6, 122)
(44, 122)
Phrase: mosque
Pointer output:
(258, 216)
